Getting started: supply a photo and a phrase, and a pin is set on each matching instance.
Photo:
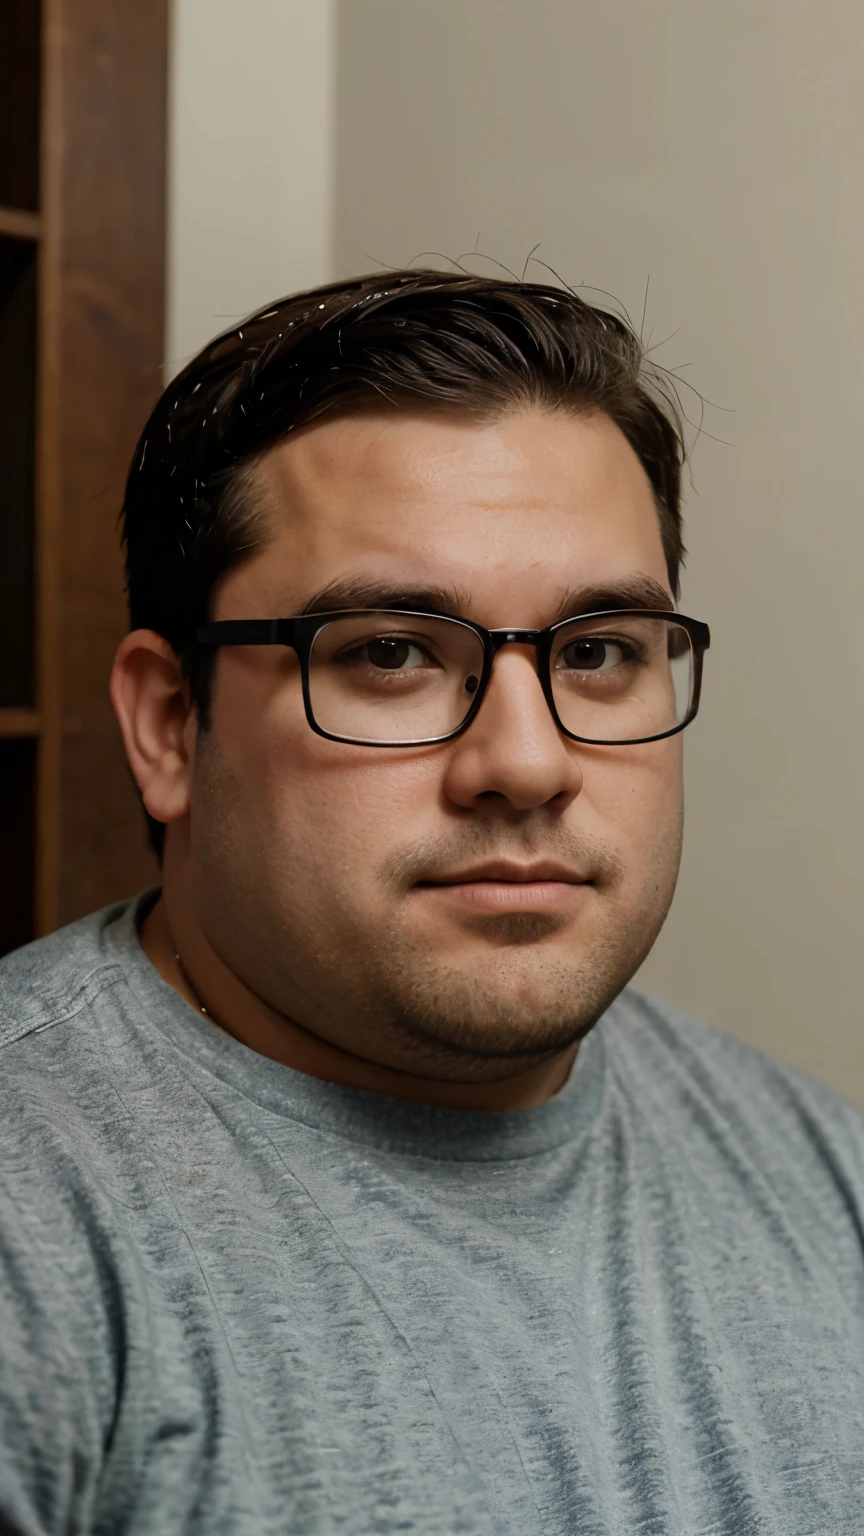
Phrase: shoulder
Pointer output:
(61, 1297)
(730, 1091)
(721, 1061)
(52, 979)
(61, 999)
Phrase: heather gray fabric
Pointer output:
(234, 1299)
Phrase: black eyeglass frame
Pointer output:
(300, 632)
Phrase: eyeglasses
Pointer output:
(388, 678)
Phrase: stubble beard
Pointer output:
(536, 984)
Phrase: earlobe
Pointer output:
(152, 706)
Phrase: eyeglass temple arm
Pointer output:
(247, 632)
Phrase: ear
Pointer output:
(159, 726)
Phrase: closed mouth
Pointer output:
(504, 872)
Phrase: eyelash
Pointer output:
(633, 650)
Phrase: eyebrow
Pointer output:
(636, 591)
(360, 592)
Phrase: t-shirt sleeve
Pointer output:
(55, 1394)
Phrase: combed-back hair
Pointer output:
(415, 339)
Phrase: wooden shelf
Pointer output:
(19, 722)
(18, 224)
(82, 119)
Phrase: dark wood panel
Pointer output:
(111, 275)
(17, 428)
(19, 103)
(17, 767)
(110, 305)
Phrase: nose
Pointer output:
(513, 750)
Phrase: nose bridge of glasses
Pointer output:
(501, 637)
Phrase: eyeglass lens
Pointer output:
(392, 678)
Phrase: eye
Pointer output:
(390, 653)
(591, 653)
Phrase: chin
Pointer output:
(522, 1003)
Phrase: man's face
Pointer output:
(319, 871)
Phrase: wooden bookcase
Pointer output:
(82, 211)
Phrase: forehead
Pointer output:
(537, 499)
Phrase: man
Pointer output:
(345, 1187)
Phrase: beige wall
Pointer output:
(250, 185)
(717, 146)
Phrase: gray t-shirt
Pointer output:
(235, 1299)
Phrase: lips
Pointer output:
(504, 887)
(506, 872)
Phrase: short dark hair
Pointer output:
(418, 338)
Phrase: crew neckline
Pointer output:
(354, 1114)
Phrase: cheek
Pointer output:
(636, 794)
(314, 802)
